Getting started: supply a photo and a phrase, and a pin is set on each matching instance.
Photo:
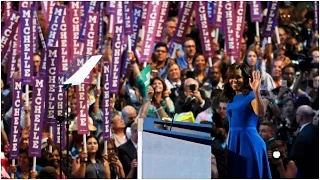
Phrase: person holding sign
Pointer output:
(91, 165)
(247, 154)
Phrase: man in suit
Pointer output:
(219, 144)
(305, 148)
(192, 99)
(267, 131)
(127, 153)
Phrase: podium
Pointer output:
(180, 152)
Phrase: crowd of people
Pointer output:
(184, 88)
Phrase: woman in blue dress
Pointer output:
(247, 154)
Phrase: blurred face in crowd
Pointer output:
(315, 57)
(161, 54)
(276, 69)
(111, 149)
(190, 48)
(118, 122)
(174, 72)
(36, 63)
(54, 158)
(200, 63)
(216, 74)
(170, 28)
(288, 109)
(288, 75)
(131, 114)
(92, 145)
(266, 132)
(285, 17)
(2, 85)
(243, 45)
(73, 106)
(252, 58)
(222, 109)
(316, 82)
(157, 86)
(283, 35)
(23, 159)
(236, 82)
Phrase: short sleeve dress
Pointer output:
(247, 154)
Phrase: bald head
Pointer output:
(129, 113)
(304, 114)
(190, 81)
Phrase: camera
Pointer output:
(192, 87)
(276, 154)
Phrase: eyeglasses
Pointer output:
(162, 51)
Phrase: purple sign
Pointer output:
(35, 31)
(26, 36)
(43, 42)
(229, 10)
(145, 8)
(91, 33)
(106, 101)
(111, 7)
(239, 25)
(162, 20)
(82, 109)
(88, 8)
(37, 113)
(184, 21)
(54, 27)
(73, 30)
(101, 27)
(203, 22)
(15, 121)
(8, 31)
(127, 17)
(149, 37)
(60, 109)
(117, 50)
(255, 11)
(51, 93)
(210, 8)
(136, 24)
(218, 14)
(53, 33)
(14, 57)
(316, 15)
(272, 16)
(7, 9)
(63, 43)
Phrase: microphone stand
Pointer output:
(60, 120)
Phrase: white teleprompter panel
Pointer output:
(165, 157)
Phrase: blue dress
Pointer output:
(247, 152)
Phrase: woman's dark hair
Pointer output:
(98, 154)
(245, 58)
(162, 81)
(26, 151)
(228, 92)
(196, 56)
